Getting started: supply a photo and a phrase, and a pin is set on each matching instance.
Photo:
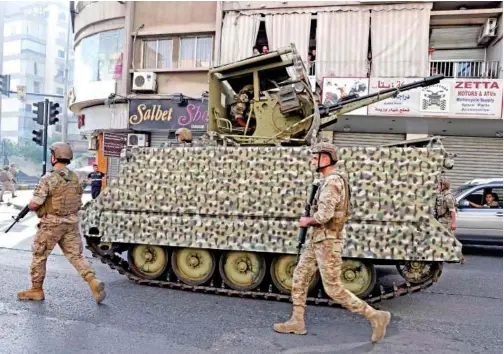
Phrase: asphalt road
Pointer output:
(460, 314)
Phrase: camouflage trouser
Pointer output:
(327, 255)
(68, 238)
(446, 222)
(7, 186)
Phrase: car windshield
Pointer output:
(459, 190)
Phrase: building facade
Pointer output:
(34, 53)
(134, 65)
(119, 49)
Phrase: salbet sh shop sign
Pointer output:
(167, 115)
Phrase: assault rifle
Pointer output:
(21, 215)
(303, 230)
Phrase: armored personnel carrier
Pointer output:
(220, 216)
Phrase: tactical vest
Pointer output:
(343, 209)
(441, 205)
(65, 199)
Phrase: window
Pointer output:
(28, 107)
(158, 54)
(61, 54)
(97, 56)
(59, 91)
(483, 198)
(36, 87)
(60, 73)
(35, 68)
(195, 52)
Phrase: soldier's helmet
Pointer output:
(184, 133)
(328, 148)
(61, 151)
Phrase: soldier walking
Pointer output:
(13, 171)
(446, 207)
(324, 248)
(7, 183)
(56, 200)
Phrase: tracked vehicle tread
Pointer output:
(115, 262)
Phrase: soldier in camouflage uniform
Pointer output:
(446, 207)
(56, 200)
(324, 248)
(7, 183)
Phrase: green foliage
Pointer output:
(28, 149)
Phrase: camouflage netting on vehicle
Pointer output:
(250, 198)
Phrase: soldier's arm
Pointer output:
(450, 203)
(330, 197)
(39, 195)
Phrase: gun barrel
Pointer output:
(326, 110)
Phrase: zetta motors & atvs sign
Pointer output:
(450, 98)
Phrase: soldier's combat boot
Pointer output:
(36, 293)
(379, 322)
(97, 288)
(296, 323)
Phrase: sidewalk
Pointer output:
(23, 198)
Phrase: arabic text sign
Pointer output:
(474, 97)
(405, 103)
(113, 143)
(336, 87)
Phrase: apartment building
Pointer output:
(131, 57)
(34, 53)
(132, 60)
(363, 47)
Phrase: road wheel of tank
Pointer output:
(419, 272)
(147, 261)
(282, 271)
(193, 266)
(358, 276)
(242, 271)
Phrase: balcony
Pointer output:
(471, 69)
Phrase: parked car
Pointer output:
(479, 226)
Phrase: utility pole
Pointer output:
(64, 123)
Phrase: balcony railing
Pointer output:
(470, 69)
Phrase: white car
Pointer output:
(479, 226)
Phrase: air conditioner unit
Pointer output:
(487, 31)
(138, 140)
(144, 82)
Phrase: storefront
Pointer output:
(158, 119)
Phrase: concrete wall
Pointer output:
(174, 17)
(185, 18)
(98, 17)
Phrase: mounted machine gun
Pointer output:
(268, 100)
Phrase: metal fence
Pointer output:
(471, 69)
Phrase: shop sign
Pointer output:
(405, 103)
(167, 115)
(450, 98)
(473, 97)
(113, 143)
(334, 88)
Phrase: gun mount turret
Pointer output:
(268, 100)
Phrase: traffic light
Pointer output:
(53, 112)
(5, 85)
(38, 109)
(38, 137)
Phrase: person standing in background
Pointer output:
(96, 178)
